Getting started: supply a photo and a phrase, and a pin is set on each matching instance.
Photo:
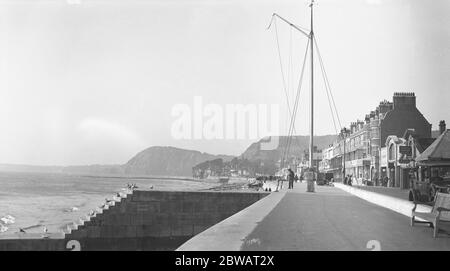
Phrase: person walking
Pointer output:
(279, 183)
(290, 178)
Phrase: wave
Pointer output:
(8, 219)
(3, 228)
(32, 227)
(71, 209)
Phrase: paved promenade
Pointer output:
(331, 219)
(388, 191)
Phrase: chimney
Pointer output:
(404, 100)
(344, 132)
(352, 127)
(442, 127)
(385, 106)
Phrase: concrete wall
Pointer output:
(231, 233)
(146, 220)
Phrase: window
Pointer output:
(391, 155)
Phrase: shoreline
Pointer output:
(61, 192)
(55, 209)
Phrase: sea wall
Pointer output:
(144, 220)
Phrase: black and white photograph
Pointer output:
(246, 127)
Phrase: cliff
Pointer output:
(167, 161)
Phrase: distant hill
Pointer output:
(168, 161)
(298, 145)
(154, 161)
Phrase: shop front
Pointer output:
(359, 169)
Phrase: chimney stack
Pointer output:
(442, 127)
(404, 100)
(385, 106)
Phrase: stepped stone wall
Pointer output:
(144, 220)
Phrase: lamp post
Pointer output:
(344, 136)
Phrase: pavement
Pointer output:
(388, 191)
(332, 219)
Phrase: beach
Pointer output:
(32, 201)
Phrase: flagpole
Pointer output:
(311, 135)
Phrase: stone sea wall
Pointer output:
(144, 220)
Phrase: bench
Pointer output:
(439, 215)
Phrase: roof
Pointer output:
(438, 151)
(423, 143)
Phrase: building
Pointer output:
(398, 162)
(358, 151)
(325, 163)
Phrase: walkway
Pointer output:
(388, 191)
(332, 219)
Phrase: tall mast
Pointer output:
(311, 134)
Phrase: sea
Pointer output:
(35, 201)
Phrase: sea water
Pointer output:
(32, 201)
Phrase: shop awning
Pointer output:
(438, 153)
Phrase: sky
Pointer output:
(95, 82)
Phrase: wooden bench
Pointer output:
(439, 215)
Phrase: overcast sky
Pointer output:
(84, 82)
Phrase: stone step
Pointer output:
(67, 231)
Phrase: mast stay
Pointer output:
(333, 109)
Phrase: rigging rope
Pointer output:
(291, 72)
(286, 86)
(327, 81)
(298, 96)
(294, 113)
(281, 65)
(329, 101)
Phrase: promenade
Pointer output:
(388, 191)
(329, 219)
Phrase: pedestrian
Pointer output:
(290, 178)
(350, 180)
(345, 179)
(279, 183)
